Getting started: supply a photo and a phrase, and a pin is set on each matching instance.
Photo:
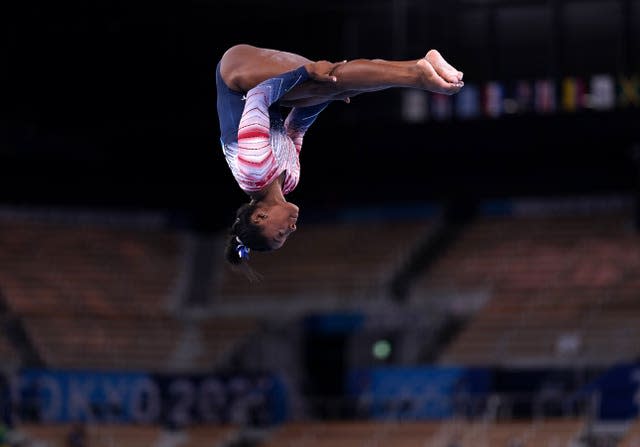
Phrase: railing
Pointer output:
(487, 407)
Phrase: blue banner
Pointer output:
(618, 391)
(416, 393)
(64, 396)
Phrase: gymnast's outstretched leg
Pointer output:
(432, 73)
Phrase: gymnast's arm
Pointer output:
(254, 129)
(300, 119)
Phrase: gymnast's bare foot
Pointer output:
(438, 76)
(442, 67)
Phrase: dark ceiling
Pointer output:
(112, 103)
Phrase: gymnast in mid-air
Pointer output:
(266, 101)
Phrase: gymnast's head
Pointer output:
(261, 227)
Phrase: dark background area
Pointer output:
(112, 103)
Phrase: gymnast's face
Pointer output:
(277, 222)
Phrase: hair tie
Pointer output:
(242, 250)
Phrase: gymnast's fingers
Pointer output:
(321, 71)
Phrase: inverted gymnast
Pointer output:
(255, 86)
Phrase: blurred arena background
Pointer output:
(469, 277)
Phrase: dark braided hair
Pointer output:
(244, 234)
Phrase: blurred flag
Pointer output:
(573, 94)
(545, 96)
(414, 105)
(629, 91)
(602, 93)
(524, 96)
(493, 96)
(510, 99)
(582, 95)
(441, 107)
(467, 102)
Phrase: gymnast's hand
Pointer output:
(321, 71)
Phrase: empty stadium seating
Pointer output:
(542, 433)
(208, 435)
(325, 261)
(560, 290)
(103, 297)
(53, 268)
(128, 435)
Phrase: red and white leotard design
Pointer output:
(267, 145)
